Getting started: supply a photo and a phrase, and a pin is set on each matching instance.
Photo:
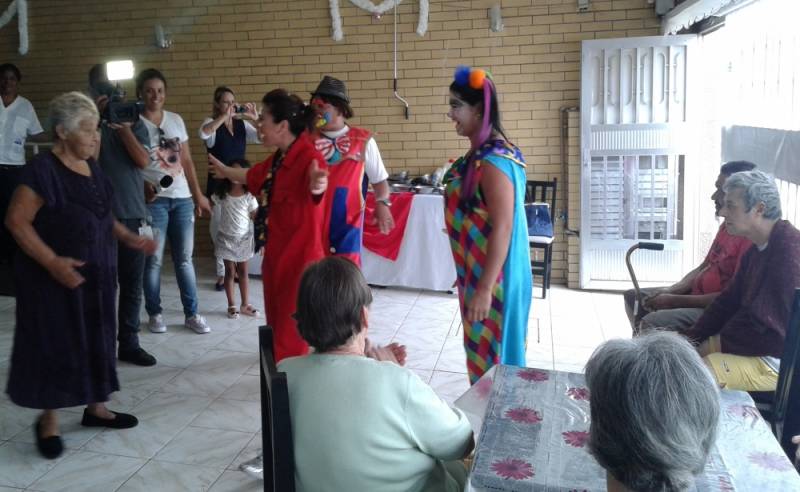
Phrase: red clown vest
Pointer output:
(347, 186)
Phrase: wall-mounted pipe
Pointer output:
(394, 84)
(564, 113)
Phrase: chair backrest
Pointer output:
(542, 191)
(276, 422)
(787, 393)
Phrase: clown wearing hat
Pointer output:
(353, 161)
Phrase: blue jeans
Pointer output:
(173, 219)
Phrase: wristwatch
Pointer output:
(384, 201)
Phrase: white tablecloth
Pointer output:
(425, 260)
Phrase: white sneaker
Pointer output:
(156, 324)
(254, 467)
(198, 324)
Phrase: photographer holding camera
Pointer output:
(123, 152)
(226, 135)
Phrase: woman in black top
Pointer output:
(226, 135)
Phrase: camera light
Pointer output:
(119, 70)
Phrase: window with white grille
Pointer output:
(637, 197)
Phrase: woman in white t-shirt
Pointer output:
(18, 122)
(172, 180)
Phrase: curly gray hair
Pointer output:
(69, 110)
(654, 411)
(757, 187)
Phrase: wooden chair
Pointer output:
(276, 421)
(781, 408)
(544, 192)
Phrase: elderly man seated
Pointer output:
(358, 423)
(654, 412)
(741, 334)
(680, 305)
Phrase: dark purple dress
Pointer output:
(64, 343)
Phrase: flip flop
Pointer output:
(232, 312)
(249, 310)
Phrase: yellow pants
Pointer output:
(739, 372)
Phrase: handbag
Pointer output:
(539, 221)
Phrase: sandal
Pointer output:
(249, 310)
(233, 313)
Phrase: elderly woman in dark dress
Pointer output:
(60, 215)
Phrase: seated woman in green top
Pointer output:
(359, 423)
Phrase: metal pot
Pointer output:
(427, 190)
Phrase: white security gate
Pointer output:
(636, 139)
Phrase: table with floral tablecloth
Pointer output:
(532, 426)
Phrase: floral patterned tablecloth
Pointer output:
(532, 425)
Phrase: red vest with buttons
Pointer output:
(347, 186)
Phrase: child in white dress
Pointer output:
(234, 239)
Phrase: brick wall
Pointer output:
(255, 45)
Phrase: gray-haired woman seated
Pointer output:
(358, 423)
(654, 408)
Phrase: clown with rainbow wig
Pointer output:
(485, 216)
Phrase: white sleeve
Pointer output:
(373, 164)
(178, 128)
(252, 133)
(252, 203)
(208, 139)
(35, 127)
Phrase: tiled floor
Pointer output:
(199, 407)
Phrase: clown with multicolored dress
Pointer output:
(354, 161)
(485, 217)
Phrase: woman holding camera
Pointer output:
(172, 209)
(226, 135)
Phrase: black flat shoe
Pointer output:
(137, 356)
(120, 421)
(219, 286)
(49, 447)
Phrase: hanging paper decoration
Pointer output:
(19, 7)
(380, 9)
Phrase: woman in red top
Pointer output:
(288, 185)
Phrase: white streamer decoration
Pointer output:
(19, 7)
(380, 9)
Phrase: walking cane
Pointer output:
(639, 299)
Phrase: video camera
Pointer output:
(117, 110)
